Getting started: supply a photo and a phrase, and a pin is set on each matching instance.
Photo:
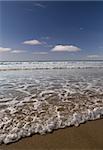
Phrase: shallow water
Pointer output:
(39, 101)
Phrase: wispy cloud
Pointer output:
(18, 51)
(65, 48)
(101, 47)
(94, 56)
(48, 45)
(10, 50)
(40, 53)
(29, 9)
(81, 28)
(46, 38)
(40, 5)
(32, 42)
(3, 49)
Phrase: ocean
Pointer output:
(39, 97)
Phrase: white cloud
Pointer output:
(40, 53)
(94, 56)
(32, 42)
(65, 48)
(18, 51)
(3, 49)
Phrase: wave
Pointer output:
(41, 101)
(5, 66)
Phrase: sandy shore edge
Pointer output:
(86, 136)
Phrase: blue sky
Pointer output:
(51, 30)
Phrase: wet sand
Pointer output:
(86, 136)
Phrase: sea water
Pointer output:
(38, 97)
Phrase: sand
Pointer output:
(87, 136)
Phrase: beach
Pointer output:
(51, 75)
(88, 136)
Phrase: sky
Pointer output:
(31, 30)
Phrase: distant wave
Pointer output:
(5, 66)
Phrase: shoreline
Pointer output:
(87, 136)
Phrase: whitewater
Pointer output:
(39, 97)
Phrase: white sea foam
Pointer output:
(40, 101)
